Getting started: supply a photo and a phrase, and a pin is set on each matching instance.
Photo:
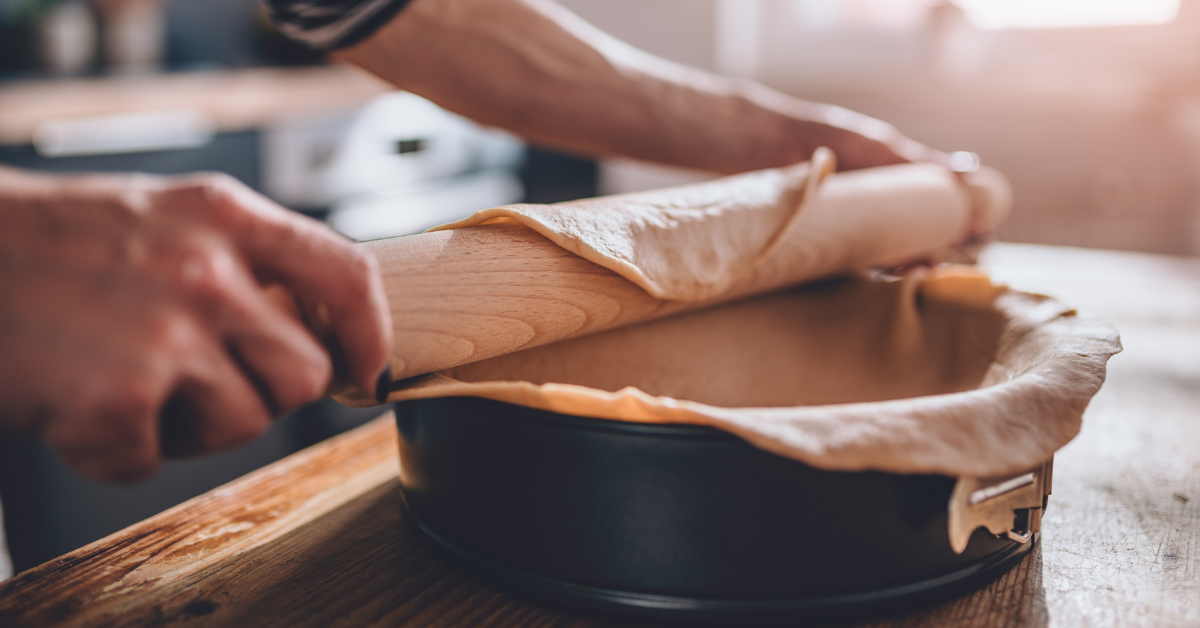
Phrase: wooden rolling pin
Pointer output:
(472, 293)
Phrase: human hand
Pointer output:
(858, 140)
(124, 299)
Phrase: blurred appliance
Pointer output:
(396, 166)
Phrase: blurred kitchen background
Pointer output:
(1091, 107)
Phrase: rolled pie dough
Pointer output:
(936, 371)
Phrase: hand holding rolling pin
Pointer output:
(127, 298)
(131, 297)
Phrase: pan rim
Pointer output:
(587, 423)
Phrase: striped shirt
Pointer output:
(331, 24)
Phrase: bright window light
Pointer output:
(832, 15)
(1001, 14)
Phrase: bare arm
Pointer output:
(534, 68)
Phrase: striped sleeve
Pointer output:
(331, 24)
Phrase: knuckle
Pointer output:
(215, 183)
(360, 260)
(308, 383)
(129, 397)
(210, 195)
(362, 270)
(169, 333)
(207, 272)
(127, 203)
(133, 398)
(109, 443)
(218, 189)
(365, 264)
(220, 433)
(304, 380)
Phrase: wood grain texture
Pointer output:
(318, 539)
(154, 561)
(478, 292)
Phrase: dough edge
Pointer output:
(1050, 362)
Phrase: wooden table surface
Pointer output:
(317, 539)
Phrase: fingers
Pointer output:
(912, 150)
(165, 316)
(326, 271)
(215, 407)
(208, 389)
(115, 438)
(277, 354)
(322, 268)
(855, 151)
(864, 142)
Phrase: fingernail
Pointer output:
(383, 385)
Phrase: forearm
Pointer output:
(535, 69)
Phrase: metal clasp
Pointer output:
(1007, 506)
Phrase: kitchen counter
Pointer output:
(318, 538)
(235, 100)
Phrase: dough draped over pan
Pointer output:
(936, 372)
(766, 229)
(933, 373)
